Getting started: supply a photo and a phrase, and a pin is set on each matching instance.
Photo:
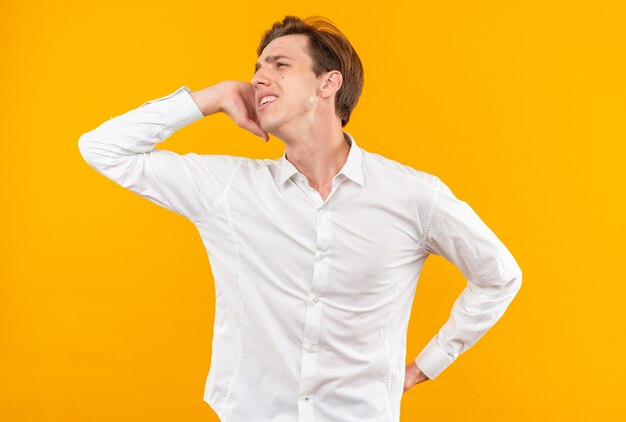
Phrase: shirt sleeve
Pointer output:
(458, 234)
(123, 150)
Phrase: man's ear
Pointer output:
(331, 83)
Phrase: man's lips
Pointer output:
(265, 105)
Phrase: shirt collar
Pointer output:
(353, 167)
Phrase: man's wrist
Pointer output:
(209, 100)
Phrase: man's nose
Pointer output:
(259, 78)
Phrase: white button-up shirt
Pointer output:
(313, 296)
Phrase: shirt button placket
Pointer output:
(310, 348)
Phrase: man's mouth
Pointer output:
(266, 101)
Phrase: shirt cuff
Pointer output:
(432, 360)
(178, 108)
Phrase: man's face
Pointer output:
(287, 75)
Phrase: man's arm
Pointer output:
(123, 148)
(493, 279)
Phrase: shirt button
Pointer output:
(308, 398)
(316, 299)
(322, 211)
(312, 349)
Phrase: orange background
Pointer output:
(106, 300)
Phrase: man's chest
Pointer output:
(354, 239)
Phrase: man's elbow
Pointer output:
(510, 285)
(516, 282)
(96, 153)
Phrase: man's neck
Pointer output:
(319, 155)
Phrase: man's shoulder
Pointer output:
(402, 173)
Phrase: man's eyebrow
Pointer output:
(272, 59)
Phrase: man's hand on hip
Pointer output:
(413, 375)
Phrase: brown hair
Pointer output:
(330, 50)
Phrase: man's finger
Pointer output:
(253, 127)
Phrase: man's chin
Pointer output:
(268, 126)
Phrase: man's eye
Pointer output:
(281, 64)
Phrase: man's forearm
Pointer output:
(123, 149)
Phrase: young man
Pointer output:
(315, 255)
